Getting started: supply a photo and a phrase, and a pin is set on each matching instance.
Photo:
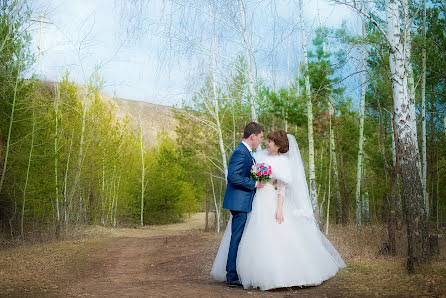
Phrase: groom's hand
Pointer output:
(260, 184)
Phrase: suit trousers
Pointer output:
(238, 225)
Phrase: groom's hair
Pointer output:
(252, 128)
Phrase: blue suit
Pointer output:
(238, 199)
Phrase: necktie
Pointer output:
(252, 156)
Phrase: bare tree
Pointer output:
(248, 54)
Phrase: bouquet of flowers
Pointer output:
(261, 172)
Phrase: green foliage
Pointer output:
(169, 195)
(186, 175)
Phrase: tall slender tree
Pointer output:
(249, 57)
(143, 170)
(396, 37)
(423, 114)
(312, 171)
(360, 165)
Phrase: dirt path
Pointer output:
(175, 261)
(176, 264)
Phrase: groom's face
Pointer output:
(257, 139)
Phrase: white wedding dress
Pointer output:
(272, 255)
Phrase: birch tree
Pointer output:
(56, 145)
(11, 122)
(407, 47)
(143, 170)
(249, 57)
(360, 166)
(334, 161)
(331, 155)
(215, 112)
(396, 38)
(423, 113)
(418, 246)
(33, 128)
(312, 174)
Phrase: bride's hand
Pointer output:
(278, 216)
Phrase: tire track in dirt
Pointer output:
(174, 265)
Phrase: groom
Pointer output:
(240, 192)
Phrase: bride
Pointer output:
(281, 245)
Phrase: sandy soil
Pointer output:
(175, 261)
(168, 261)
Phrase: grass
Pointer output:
(370, 274)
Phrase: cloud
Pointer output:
(85, 34)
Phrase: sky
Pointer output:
(85, 35)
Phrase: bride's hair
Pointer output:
(279, 137)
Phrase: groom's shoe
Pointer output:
(234, 283)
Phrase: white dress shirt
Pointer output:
(247, 146)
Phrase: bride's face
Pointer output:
(271, 147)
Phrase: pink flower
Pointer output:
(259, 173)
(269, 172)
(265, 172)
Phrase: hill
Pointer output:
(154, 117)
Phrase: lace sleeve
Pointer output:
(280, 188)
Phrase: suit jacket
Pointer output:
(240, 188)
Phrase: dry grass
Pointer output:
(38, 269)
(365, 244)
(28, 267)
(368, 273)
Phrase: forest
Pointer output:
(367, 107)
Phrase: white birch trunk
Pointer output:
(360, 165)
(11, 121)
(217, 206)
(56, 138)
(438, 193)
(365, 207)
(423, 115)
(80, 155)
(329, 180)
(115, 222)
(312, 180)
(113, 197)
(103, 197)
(28, 169)
(411, 84)
(409, 155)
(444, 124)
(334, 161)
(217, 105)
(398, 41)
(248, 54)
(399, 205)
(143, 171)
(65, 197)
